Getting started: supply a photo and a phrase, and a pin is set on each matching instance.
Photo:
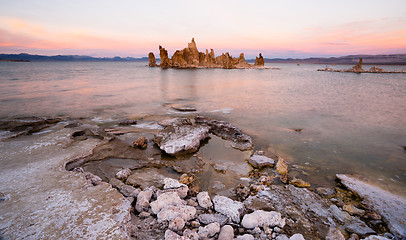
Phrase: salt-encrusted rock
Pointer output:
(245, 237)
(124, 189)
(175, 140)
(192, 235)
(375, 237)
(352, 224)
(334, 234)
(353, 210)
(390, 206)
(211, 218)
(209, 231)
(204, 200)
(171, 235)
(172, 183)
(164, 200)
(177, 224)
(182, 191)
(281, 237)
(260, 218)
(297, 236)
(228, 207)
(281, 166)
(123, 174)
(226, 233)
(258, 161)
(299, 183)
(143, 200)
(183, 211)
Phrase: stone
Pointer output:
(284, 178)
(325, 191)
(226, 233)
(151, 60)
(192, 203)
(220, 167)
(172, 183)
(195, 224)
(281, 237)
(258, 161)
(171, 235)
(165, 61)
(242, 192)
(204, 200)
(245, 237)
(143, 198)
(177, 224)
(141, 142)
(192, 235)
(123, 174)
(299, 183)
(164, 200)
(259, 61)
(92, 179)
(390, 206)
(127, 122)
(211, 218)
(334, 234)
(126, 190)
(144, 215)
(281, 166)
(186, 179)
(175, 140)
(183, 108)
(353, 236)
(297, 236)
(171, 212)
(353, 210)
(260, 218)
(182, 191)
(228, 207)
(209, 231)
(375, 237)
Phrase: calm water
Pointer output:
(352, 123)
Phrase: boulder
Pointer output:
(204, 200)
(164, 200)
(226, 233)
(177, 224)
(171, 212)
(281, 166)
(143, 198)
(258, 161)
(211, 218)
(126, 190)
(228, 207)
(171, 235)
(170, 183)
(182, 191)
(209, 231)
(123, 174)
(260, 218)
(259, 61)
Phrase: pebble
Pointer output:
(204, 200)
(210, 230)
(226, 233)
(177, 224)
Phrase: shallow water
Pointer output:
(352, 123)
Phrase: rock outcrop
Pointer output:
(190, 57)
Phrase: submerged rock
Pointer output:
(228, 207)
(260, 218)
(258, 161)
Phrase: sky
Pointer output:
(277, 29)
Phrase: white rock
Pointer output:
(282, 237)
(170, 235)
(209, 230)
(177, 224)
(228, 207)
(123, 174)
(165, 200)
(204, 200)
(258, 161)
(143, 198)
(192, 235)
(182, 191)
(172, 183)
(171, 212)
(245, 237)
(297, 236)
(334, 234)
(375, 237)
(260, 218)
(226, 233)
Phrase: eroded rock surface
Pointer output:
(228, 207)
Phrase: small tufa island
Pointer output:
(358, 69)
(190, 57)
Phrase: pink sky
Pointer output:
(275, 28)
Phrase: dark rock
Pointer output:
(259, 61)
(127, 122)
(211, 218)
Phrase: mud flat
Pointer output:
(177, 178)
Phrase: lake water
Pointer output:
(352, 123)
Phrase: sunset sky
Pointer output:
(123, 28)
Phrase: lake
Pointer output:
(351, 123)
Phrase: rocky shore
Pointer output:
(358, 69)
(105, 195)
(190, 57)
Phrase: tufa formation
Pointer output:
(190, 57)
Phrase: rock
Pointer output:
(299, 183)
(297, 236)
(228, 207)
(204, 200)
(390, 206)
(352, 224)
(141, 142)
(170, 235)
(186, 179)
(175, 140)
(375, 237)
(209, 231)
(192, 235)
(164, 200)
(334, 234)
(226, 233)
(260, 218)
(127, 122)
(281, 166)
(325, 191)
(182, 191)
(165, 61)
(192, 203)
(144, 215)
(353, 210)
(177, 224)
(171, 212)
(123, 174)
(245, 237)
(284, 178)
(353, 236)
(259, 61)
(151, 60)
(143, 198)
(242, 192)
(258, 161)
(92, 179)
(195, 224)
(172, 183)
(219, 167)
(211, 218)
(126, 190)
(183, 108)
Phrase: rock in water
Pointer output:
(151, 60)
(260, 218)
(258, 161)
(390, 206)
(175, 140)
(299, 183)
(171, 235)
(259, 61)
(281, 166)
(228, 207)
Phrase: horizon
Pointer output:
(275, 29)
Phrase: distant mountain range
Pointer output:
(389, 59)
